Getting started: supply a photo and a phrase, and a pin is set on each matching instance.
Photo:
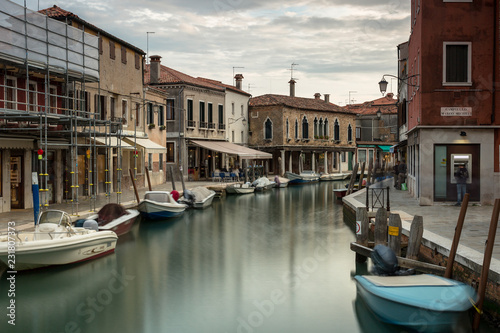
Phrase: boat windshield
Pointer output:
(158, 196)
(54, 216)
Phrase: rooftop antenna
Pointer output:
(291, 71)
(250, 86)
(233, 72)
(351, 100)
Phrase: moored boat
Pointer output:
(114, 217)
(243, 188)
(281, 182)
(54, 242)
(306, 176)
(401, 300)
(199, 197)
(263, 184)
(334, 176)
(160, 205)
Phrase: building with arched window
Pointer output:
(307, 144)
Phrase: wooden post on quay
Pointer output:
(369, 177)
(380, 233)
(147, 176)
(415, 239)
(458, 231)
(133, 183)
(182, 180)
(353, 179)
(486, 263)
(172, 178)
(394, 231)
(361, 231)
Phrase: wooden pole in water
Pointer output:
(353, 179)
(362, 228)
(380, 232)
(415, 239)
(394, 231)
(147, 176)
(133, 183)
(486, 263)
(182, 180)
(172, 178)
(361, 176)
(458, 231)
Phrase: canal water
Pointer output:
(265, 262)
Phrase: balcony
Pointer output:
(191, 124)
(203, 124)
(222, 127)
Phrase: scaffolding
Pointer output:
(45, 65)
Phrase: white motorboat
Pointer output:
(54, 242)
(160, 205)
(263, 184)
(199, 197)
(281, 182)
(306, 176)
(334, 176)
(245, 188)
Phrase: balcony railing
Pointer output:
(191, 123)
(203, 124)
(222, 127)
(211, 125)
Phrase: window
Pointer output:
(232, 108)
(124, 111)
(242, 110)
(124, 55)
(221, 117)
(160, 157)
(326, 128)
(112, 54)
(315, 128)
(305, 128)
(112, 107)
(170, 152)
(456, 63)
(210, 115)
(190, 113)
(296, 129)
(336, 130)
(361, 155)
(242, 137)
(53, 99)
(100, 45)
(32, 96)
(320, 129)
(170, 109)
(100, 106)
(349, 133)
(268, 129)
(10, 93)
(232, 136)
(150, 161)
(137, 61)
(203, 123)
(150, 116)
(287, 129)
(161, 115)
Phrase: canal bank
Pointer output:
(440, 221)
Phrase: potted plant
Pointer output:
(151, 126)
(162, 127)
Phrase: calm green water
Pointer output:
(266, 262)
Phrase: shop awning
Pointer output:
(233, 149)
(385, 149)
(147, 144)
(113, 142)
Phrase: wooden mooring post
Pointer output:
(350, 189)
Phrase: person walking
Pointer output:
(396, 172)
(401, 174)
(461, 176)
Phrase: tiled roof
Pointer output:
(296, 102)
(60, 14)
(171, 76)
(227, 86)
(386, 105)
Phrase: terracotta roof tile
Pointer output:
(386, 105)
(296, 102)
(171, 76)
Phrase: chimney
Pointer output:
(327, 98)
(317, 96)
(154, 69)
(389, 95)
(238, 78)
(292, 87)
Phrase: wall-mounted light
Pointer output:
(379, 113)
(462, 133)
(383, 83)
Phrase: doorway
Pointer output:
(16, 182)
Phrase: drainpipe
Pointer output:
(495, 59)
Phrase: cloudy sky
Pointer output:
(340, 47)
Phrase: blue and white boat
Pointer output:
(160, 205)
(416, 301)
(306, 176)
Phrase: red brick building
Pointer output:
(452, 106)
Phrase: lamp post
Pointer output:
(383, 83)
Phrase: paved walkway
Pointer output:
(440, 221)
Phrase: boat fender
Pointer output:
(175, 195)
(79, 223)
(384, 260)
(277, 180)
(91, 225)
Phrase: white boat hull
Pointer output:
(159, 210)
(207, 202)
(240, 189)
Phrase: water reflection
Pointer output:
(277, 261)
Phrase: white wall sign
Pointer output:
(456, 111)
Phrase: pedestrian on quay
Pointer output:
(396, 173)
(401, 174)
(461, 176)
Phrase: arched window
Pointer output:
(287, 129)
(320, 131)
(305, 128)
(268, 129)
(326, 128)
(296, 129)
(336, 130)
(315, 127)
(349, 133)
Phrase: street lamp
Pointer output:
(383, 83)
(379, 113)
